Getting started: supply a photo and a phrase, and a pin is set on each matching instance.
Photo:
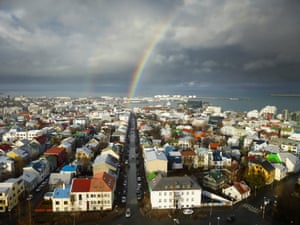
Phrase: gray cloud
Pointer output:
(205, 43)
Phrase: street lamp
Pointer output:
(218, 220)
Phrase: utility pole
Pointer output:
(29, 210)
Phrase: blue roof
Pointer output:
(62, 193)
(69, 168)
(217, 156)
(225, 155)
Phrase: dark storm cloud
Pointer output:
(246, 43)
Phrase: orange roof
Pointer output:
(199, 135)
(81, 185)
(214, 145)
(188, 153)
(102, 182)
(86, 131)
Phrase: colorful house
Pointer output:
(262, 167)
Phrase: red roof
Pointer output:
(5, 147)
(55, 150)
(241, 187)
(81, 185)
(41, 139)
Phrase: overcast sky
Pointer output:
(206, 45)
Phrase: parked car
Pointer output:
(123, 199)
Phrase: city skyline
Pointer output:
(146, 47)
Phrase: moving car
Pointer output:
(230, 218)
(128, 213)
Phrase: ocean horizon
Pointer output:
(229, 100)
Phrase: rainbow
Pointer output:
(138, 72)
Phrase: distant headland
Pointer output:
(285, 95)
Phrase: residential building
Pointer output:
(58, 152)
(214, 180)
(155, 161)
(291, 162)
(59, 180)
(10, 193)
(174, 160)
(31, 180)
(262, 167)
(106, 163)
(189, 158)
(280, 171)
(61, 201)
(84, 153)
(238, 191)
(39, 167)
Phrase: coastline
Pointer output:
(285, 95)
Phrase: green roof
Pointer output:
(273, 158)
(151, 176)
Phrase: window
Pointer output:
(56, 202)
(65, 202)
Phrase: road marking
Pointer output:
(251, 208)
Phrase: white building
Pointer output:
(15, 134)
(280, 171)
(61, 201)
(174, 192)
(238, 191)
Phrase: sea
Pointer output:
(228, 100)
(292, 104)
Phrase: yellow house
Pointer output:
(264, 168)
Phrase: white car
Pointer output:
(128, 213)
(188, 211)
(123, 200)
